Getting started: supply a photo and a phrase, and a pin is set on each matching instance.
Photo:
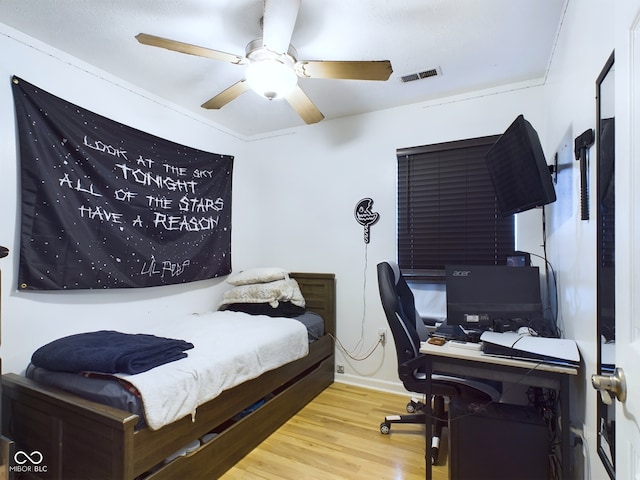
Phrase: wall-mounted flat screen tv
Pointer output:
(519, 171)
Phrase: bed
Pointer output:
(83, 439)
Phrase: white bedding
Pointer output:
(230, 348)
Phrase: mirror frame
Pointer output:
(603, 411)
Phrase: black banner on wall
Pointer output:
(108, 206)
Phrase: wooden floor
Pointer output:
(337, 436)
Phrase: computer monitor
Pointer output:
(483, 297)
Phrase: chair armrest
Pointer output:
(470, 384)
(410, 366)
(413, 377)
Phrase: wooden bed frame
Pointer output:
(80, 439)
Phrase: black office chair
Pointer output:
(399, 307)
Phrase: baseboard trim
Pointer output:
(374, 384)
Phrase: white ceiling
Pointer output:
(474, 44)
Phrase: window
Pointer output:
(447, 211)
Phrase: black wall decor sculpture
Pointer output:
(365, 216)
(582, 144)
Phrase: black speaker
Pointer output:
(497, 442)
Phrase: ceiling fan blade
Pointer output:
(182, 47)
(304, 106)
(351, 70)
(224, 97)
(278, 23)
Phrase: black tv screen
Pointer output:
(518, 170)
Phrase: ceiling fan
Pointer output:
(271, 66)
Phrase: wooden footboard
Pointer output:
(80, 439)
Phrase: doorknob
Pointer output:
(608, 385)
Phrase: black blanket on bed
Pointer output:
(108, 351)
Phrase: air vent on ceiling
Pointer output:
(412, 77)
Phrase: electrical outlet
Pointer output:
(340, 368)
(382, 335)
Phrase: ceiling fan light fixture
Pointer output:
(271, 78)
(272, 68)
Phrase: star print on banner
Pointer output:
(107, 206)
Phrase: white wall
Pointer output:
(293, 200)
(30, 319)
(586, 41)
(308, 182)
(294, 196)
(313, 177)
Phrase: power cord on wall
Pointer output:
(549, 275)
(356, 353)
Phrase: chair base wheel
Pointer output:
(385, 428)
(414, 406)
(435, 450)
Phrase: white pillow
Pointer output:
(271, 292)
(258, 275)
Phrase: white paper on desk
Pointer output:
(539, 348)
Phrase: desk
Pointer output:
(473, 363)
